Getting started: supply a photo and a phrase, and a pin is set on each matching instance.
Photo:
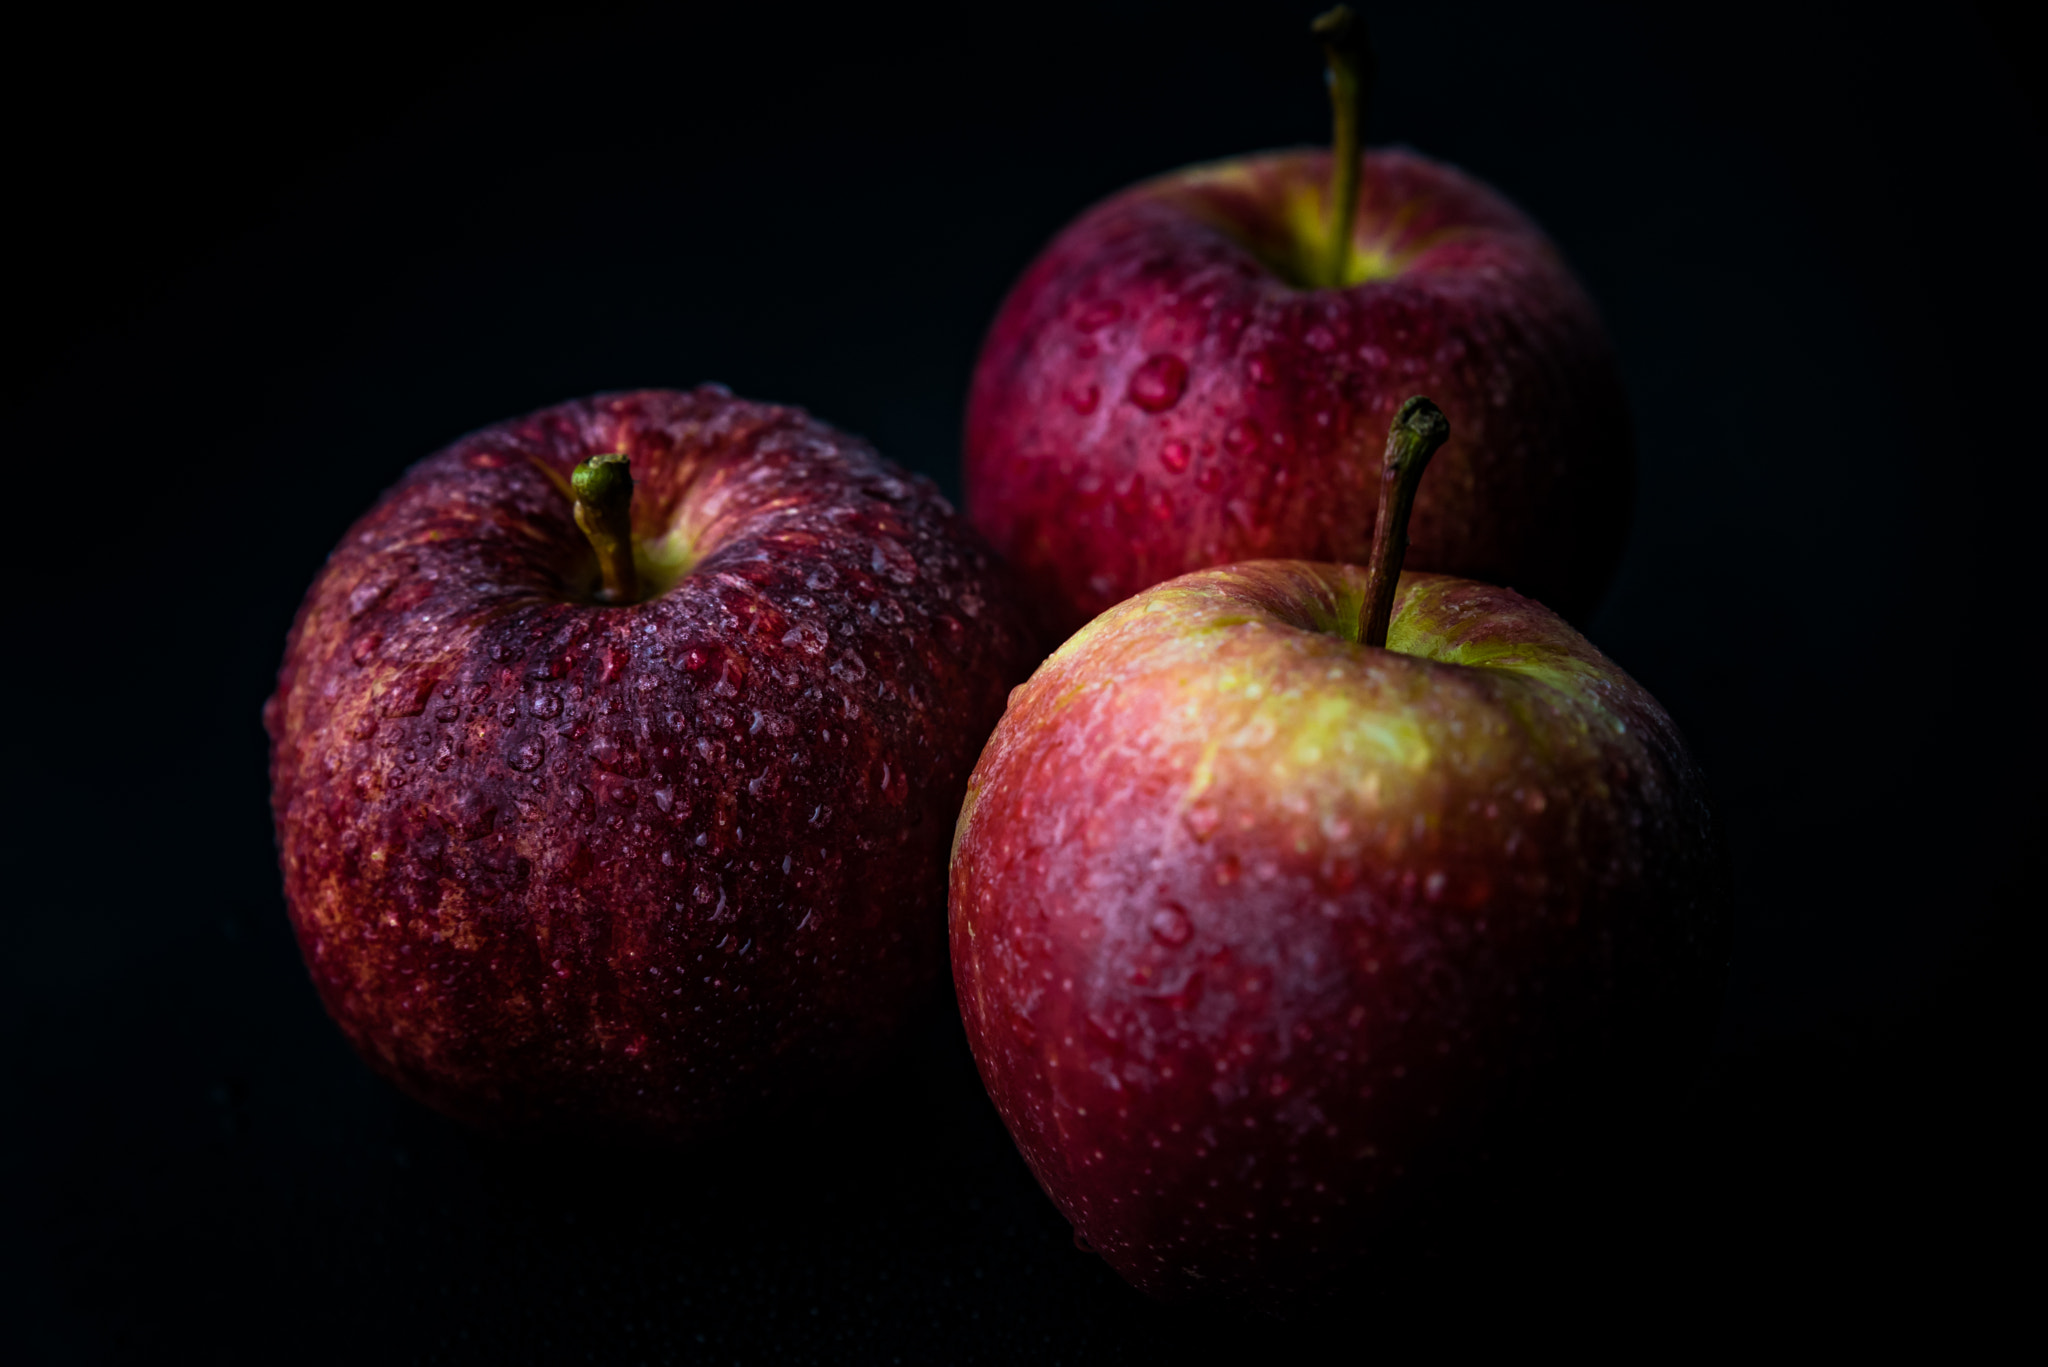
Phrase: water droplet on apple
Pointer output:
(526, 753)
(367, 593)
(474, 814)
(893, 561)
(1099, 314)
(1241, 436)
(545, 705)
(1170, 926)
(1083, 398)
(1174, 456)
(1320, 338)
(808, 637)
(1202, 819)
(1158, 384)
(1260, 368)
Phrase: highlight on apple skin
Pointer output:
(1262, 935)
(1174, 384)
(634, 868)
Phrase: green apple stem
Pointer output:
(603, 488)
(1348, 53)
(1419, 429)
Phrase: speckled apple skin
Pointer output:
(1153, 398)
(1259, 932)
(631, 870)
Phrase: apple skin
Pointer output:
(630, 871)
(1265, 939)
(1155, 395)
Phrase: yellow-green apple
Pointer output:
(1198, 371)
(623, 830)
(1279, 893)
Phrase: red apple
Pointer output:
(630, 867)
(1261, 931)
(1188, 377)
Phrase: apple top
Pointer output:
(1418, 430)
(603, 486)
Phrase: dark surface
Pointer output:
(249, 288)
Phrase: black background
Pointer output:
(256, 272)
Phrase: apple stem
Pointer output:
(603, 489)
(1418, 430)
(1347, 51)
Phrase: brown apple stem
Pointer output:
(1419, 429)
(603, 486)
(1347, 51)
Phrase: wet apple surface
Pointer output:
(632, 868)
(257, 290)
(1257, 929)
(1168, 388)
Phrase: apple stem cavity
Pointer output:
(603, 490)
(1347, 52)
(1418, 430)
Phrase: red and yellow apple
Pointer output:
(1192, 375)
(1261, 931)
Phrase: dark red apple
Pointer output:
(632, 867)
(1187, 376)
(1264, 934)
